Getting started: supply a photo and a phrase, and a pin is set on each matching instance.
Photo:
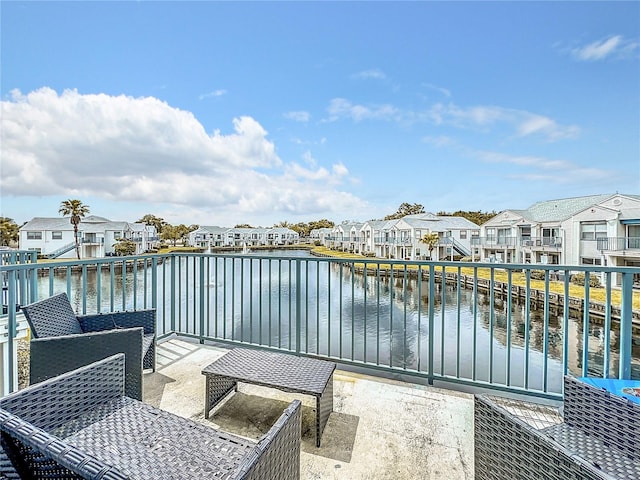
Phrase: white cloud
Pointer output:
(523, 123)
(342, 108)
(215, 93)
(443, 91)
(612, 46)
(541, 169)
(142, 150)
(375, 73)
(299, 116)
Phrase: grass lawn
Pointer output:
(596, 294)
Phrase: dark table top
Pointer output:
(279, 370)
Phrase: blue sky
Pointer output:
(219, 113)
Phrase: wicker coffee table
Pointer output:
(285, 372)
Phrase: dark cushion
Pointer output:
(52, 317)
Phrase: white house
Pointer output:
(54, 237)
(401, 238)
(589, 230)
(211, 236)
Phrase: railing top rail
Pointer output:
(312, 258)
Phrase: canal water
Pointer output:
(328, 309)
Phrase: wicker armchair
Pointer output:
(597, 436)
(80, 425)
(62, 341)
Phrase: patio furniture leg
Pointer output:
(217, 388)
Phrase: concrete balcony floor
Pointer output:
(379, 429)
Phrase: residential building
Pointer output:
(211, 237)
(54, 237)
(401, 238)
(590, 230)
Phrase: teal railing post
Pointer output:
(298, 304)
(12, 329)
(201, 303)
(626, 313)
(432, 312)
(173, 292)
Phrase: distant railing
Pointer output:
(482, 325)
(494, 241)
(618, 243)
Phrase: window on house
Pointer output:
(590, 261)
(463, 234)
(56, 235)
(117, 235)
(593, 231)
(34, 235)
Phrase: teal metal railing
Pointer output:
(475, 324)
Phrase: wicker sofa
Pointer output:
(596, 436)
(62, 341)
(81, 425)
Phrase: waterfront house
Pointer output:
(401, 238)
(212, 236)
(54, 237)
(590, 230)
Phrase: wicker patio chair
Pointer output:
(597, 436)
(81, 425)
(62, 341)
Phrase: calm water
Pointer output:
(345, 314)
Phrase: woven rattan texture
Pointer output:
(278, 370)
(95, 431)
(101, 335)
(509, 447)
(614, 420)
(52, 317)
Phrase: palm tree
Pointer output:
(77, 210)
(430, 240)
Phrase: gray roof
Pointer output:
(564, 208)
(95, 224)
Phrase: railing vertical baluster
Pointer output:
(353, 308)
(341, 297)
(626, 312)
(172, 284)
(475, 324)
(458, 319)
(242, 286)
(607, 327)
(432, 313)
(405, 284)
(12, 332)
(509, 319)
(443, 301)
(84, 288)
(545, 344)
(527, 327)
(492, 319)
(585, 327)
(298, 304)
(201, 298)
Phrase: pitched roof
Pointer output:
(563, 208)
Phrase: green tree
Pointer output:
(243, 225)
(406, 209)
(157, 222)
(124, 246)
(175, 233)
(9, 231)
(324, 223)
(430, 240)
(76, 210)
(476, 217)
